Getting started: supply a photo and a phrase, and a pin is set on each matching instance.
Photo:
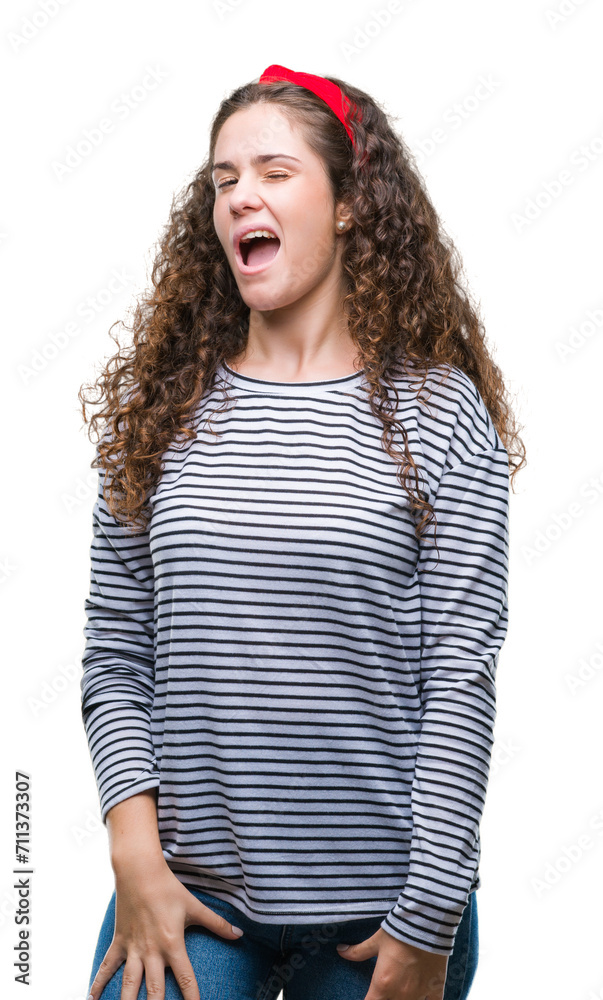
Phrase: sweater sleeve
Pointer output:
(464, 623)
(117, 685)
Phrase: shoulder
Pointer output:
(451, 414)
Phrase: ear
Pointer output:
(343, 210)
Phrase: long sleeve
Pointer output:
(464, 623)
(117, 685)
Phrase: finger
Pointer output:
(154, 978)
(184, 974)
(109, 965)
(359, 952)
(198, 913)
(132, 978)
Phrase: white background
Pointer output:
(538, 281)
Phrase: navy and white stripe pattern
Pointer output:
(311, 693)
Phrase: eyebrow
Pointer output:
(261, 158)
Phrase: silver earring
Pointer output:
(341, 224)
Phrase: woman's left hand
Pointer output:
(402, 972)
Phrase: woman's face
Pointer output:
(287, 192)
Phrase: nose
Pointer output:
(243, 195)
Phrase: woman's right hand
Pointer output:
(152, 908)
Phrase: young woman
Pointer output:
(299, 576)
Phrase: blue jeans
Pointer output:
(298, 959)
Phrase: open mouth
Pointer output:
(259, 251)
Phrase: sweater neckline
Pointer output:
(280, 388)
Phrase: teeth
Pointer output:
(257, 232)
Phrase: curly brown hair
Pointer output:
(405, 306)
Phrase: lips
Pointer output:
(266, 252)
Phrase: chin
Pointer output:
(265, 300)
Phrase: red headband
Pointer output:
(330, 93)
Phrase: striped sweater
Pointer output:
(311, 692)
